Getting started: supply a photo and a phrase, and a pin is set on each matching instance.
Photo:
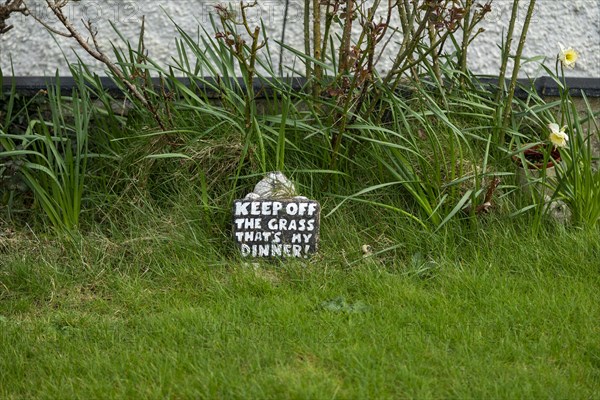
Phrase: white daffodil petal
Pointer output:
(568, 57)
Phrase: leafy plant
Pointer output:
(578, 175)
(52, 156)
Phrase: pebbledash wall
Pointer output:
(32, 51)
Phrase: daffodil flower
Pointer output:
(568, 57)
(558, 137)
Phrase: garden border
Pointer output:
(544, 86)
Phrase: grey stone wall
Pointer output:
(33, 51)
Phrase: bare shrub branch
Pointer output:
(57, 9)
(9, 7)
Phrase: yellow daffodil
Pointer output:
(558, 137)
(568, 57)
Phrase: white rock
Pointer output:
(557, 210)
(274, 185)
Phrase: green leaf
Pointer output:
(168, 155)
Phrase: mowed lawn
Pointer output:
(173, 315)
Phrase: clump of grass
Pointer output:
(51, 156)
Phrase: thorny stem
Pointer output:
(410, 64)
(387, 25)
(435, 57)
(362, 78)
(515, 74)
(250, 65)
(408, 47)
(317, 47)
(465, 41)
(505, 57)
(345, 45)
(328, 20)
(245, 55)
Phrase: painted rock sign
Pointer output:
(272, 221)
(276, 227)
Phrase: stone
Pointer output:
(272, 222)
(557, 210)
(274, 185)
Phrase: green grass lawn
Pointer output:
(171, 312)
